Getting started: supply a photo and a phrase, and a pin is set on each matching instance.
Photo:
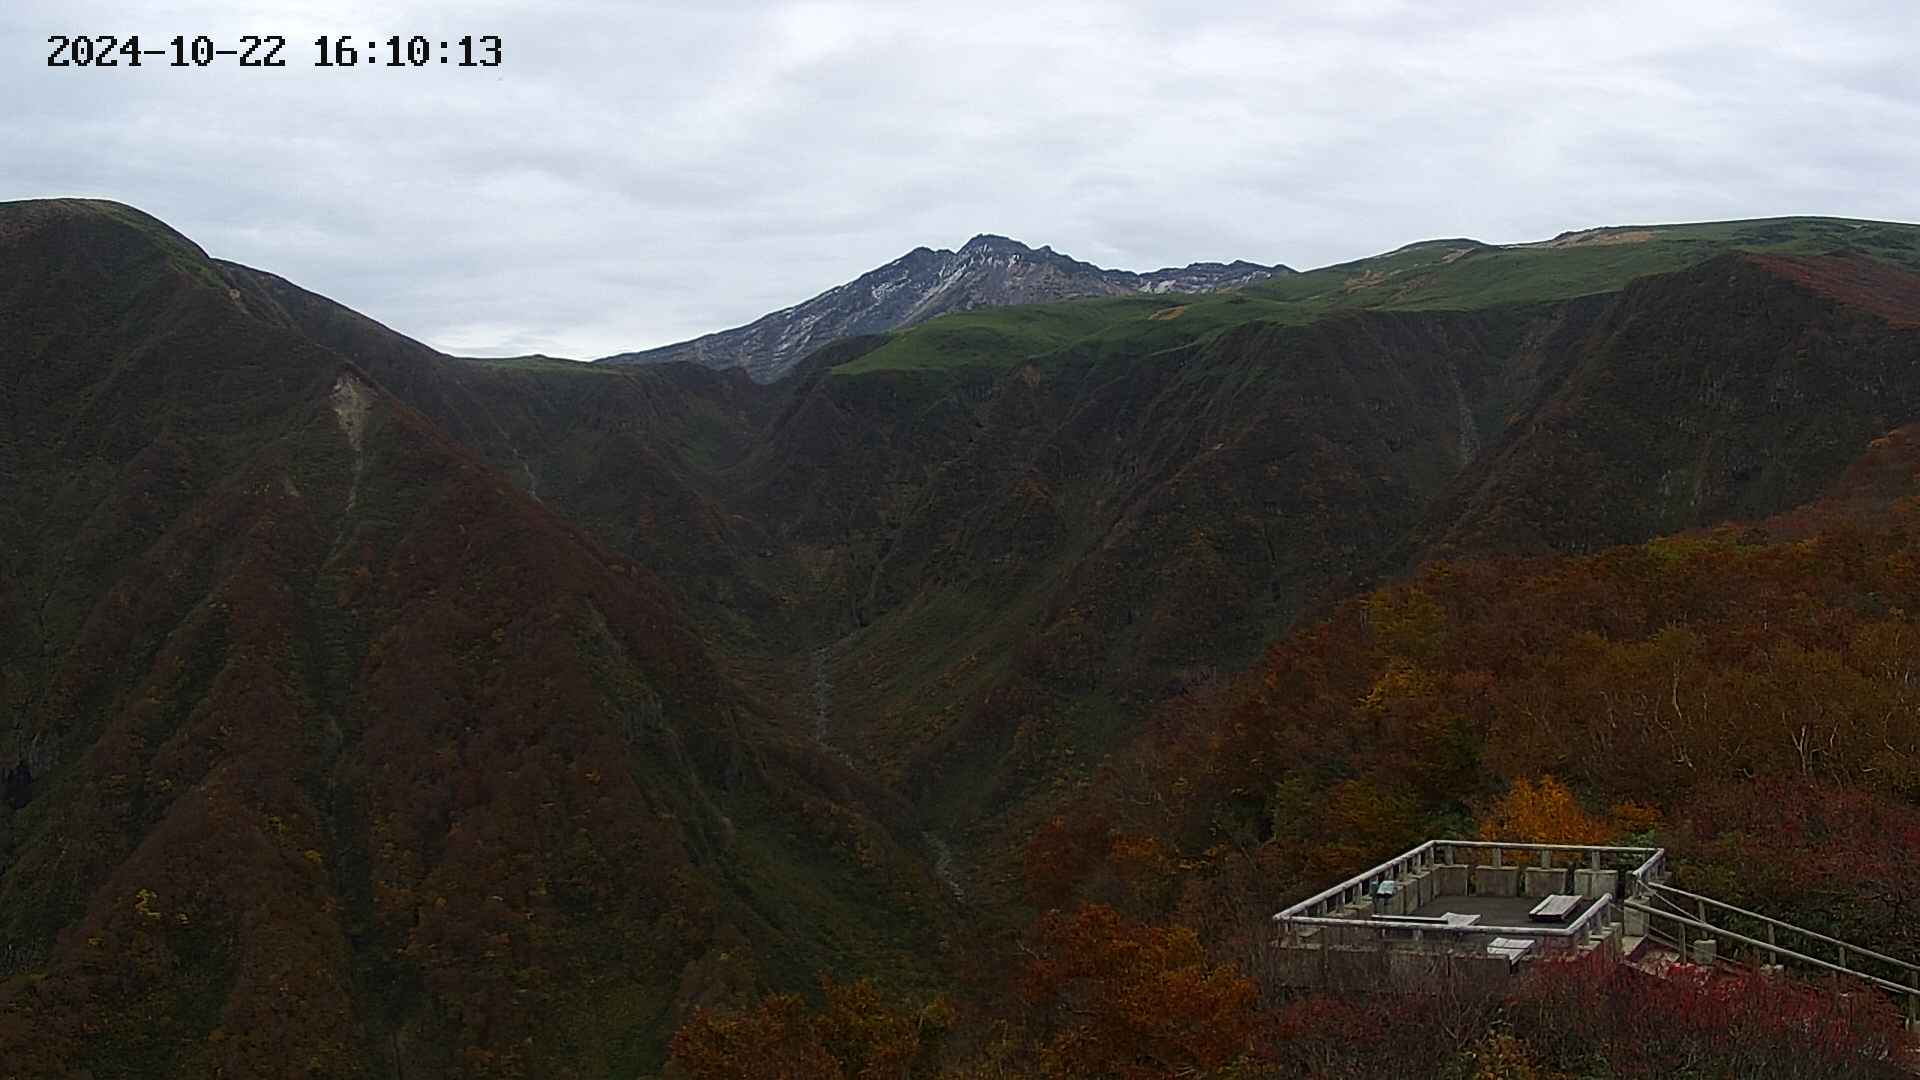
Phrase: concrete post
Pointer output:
(1636, 923)
(1421, 885)
(1543, 882)
(1496, 880)
(1592, 884)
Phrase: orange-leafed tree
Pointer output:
(1060, 855)
(857, 1033)
(874, 1037)
(1543, 812)
(1127, 1000)
(774, 1041)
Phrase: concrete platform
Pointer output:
(1498, 910)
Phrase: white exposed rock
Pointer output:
(351, 400)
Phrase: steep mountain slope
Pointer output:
(988, 271)
(1012, 564)
(635, 450)
(1744, 696)
(1000, 538)
(1104, 530)
(1736, 389)
(332, 753)
(400, 710)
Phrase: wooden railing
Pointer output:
(1433, 852)
(1671, 914)
(1323, 909)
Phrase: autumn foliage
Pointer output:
(1543, 813)
(359, 760)
(1561, 700)
(1703, 1022)
(858, 1033)
(1139, 1003)
(1131, 1001)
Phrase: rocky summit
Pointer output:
(988, 271)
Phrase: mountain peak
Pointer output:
(989, 270)
(109, 223)
(995, 244)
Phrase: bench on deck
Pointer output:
(1509, 948)
(1554, 908)
(1451, 918)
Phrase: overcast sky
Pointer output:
(638, 172)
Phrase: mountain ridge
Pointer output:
(333, 752)
(826, 653)
(989, 270)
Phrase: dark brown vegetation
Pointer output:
(371, 712)
(348, 757)
(1140, 1012)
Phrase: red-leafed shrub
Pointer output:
(1577, 1016)
(1128, 1000)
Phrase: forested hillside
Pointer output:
(963, 704)
(341, 756)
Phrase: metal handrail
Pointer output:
(1816, 935)
(1720, 931)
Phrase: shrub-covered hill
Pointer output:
(977, 578)
(1745, 695)
(1014, 566)
(430, 715)
(330, 752)
(1731, 390)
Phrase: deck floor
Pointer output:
(1498, 910)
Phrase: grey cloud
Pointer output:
(641, 173)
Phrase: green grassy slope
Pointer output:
(1435, 275)
(1730, 390)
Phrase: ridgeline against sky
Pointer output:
(634, 176)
